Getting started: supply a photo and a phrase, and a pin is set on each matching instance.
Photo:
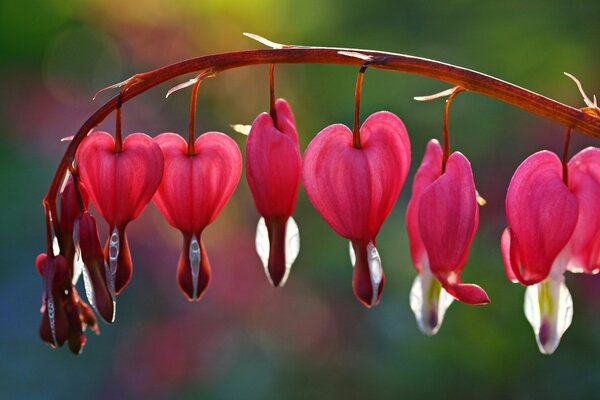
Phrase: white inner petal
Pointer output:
(262, 246)
(429, 302)
(352, 255)
(113, 258)
(89, 289)
(292, 246)
(77, 261)
(549, 309)
(55, 246)
(195, 258)
(375, 270)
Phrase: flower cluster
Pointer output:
(353, 179)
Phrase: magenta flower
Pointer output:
(273, 168)
(441, 219)
(354, 189)
(121, 182)
(553, 226)
(193, 191)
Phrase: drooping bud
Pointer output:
(96, 274)
(54, 328)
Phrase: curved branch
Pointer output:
(470, 80)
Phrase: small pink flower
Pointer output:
(441, 219)
(354, 189)
(553, 227)
(193, 191)
(273, 168)
(121, 183)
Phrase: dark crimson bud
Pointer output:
(70, 207)
(98, 280)
(54, 328)
(76, 337)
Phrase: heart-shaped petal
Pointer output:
(194, 189)
(120, 184)
(542, 214)
(353, 189)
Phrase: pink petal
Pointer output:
(387, 147)
(584, 183)
(355, 189)
(120, 184)
(505, 246)
(541, 214)
(273, 164)
(448, 219)
(194, 189)
(429, 170)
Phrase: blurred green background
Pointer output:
(311, 339)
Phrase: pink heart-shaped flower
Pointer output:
(120, 184)
(354, 189)
(541, 213)
(448, 216)
(193, 191)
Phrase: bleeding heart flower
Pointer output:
(354, 189)
(121, 183)
(193, 191)
(441, 219)
(552, 226)
(64, 315)
(273, 168)
(96, 272)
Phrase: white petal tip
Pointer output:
(429, 302)
(549, 309)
